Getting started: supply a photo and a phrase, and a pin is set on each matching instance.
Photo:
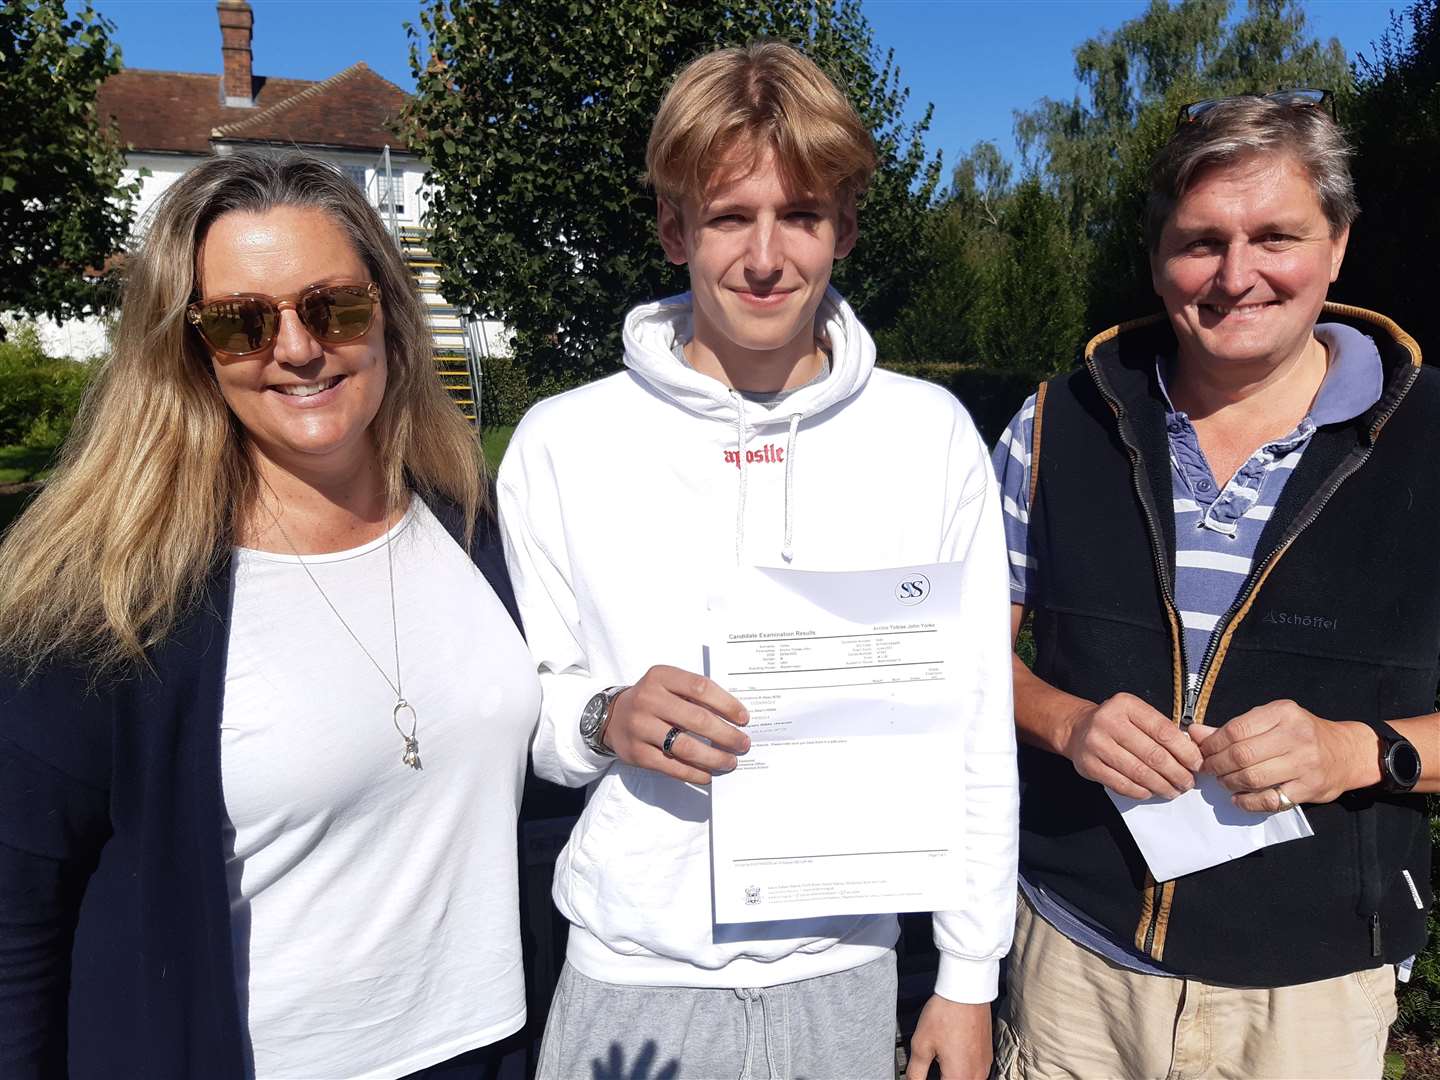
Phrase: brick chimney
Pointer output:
(236, 19)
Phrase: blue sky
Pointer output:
(976, 60)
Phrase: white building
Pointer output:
(170, 121)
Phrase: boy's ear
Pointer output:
(847, 227)
(669, 224)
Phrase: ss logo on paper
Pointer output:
(913, 589)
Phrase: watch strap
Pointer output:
(1389, 739)
(595, 739)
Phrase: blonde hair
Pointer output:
(727, 108)
(146, 498)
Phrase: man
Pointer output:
(750, 428)
(1227, 518)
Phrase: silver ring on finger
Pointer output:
(1285, 802)
(668, 746)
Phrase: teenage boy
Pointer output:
(750, 427)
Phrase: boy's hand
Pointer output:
(642, 716)
(954, 1036)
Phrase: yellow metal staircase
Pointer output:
(456, 361)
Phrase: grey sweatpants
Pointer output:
(835, 1027)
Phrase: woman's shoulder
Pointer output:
(483, 528)
(484, 548)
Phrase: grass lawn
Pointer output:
(493, 441)
(21, 463)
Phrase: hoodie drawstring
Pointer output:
(749, 997)
(742, 435)
(788, 551)
(742, 440)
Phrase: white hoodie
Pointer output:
(621, 503)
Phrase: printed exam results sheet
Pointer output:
(850, 800)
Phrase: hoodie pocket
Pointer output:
(603, 817)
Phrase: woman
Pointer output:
(262, 737)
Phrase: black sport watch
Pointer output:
(1400, 766)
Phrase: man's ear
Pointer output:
(671, 227)
(1337, 252)
(847, 227)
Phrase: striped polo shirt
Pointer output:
(1217, 530)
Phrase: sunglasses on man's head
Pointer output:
(1300, 99)
(248, 322)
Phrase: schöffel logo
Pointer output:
(1290, 618)
(913, 589)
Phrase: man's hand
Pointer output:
(642, 716)
(955, 1035)
(1282, 745)
(1132, 748)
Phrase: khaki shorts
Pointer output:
(1070, 1013)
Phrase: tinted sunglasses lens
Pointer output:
(238, 325)
(1318, 99)
(337, 313)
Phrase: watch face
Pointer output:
(592, 714)
(1403, 762)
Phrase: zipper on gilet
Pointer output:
(1190, 695)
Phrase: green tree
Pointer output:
(1007, 291)
(534, 117)
(1394, 119)
(892, 256)
(63, 207)
(941, 320)
(1033, 316)
(1094, 151)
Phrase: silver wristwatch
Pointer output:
(595, 716)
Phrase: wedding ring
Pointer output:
(1285, 803)
(669, 743)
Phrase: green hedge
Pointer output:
(1420, 1000)
(39, 394)
(504, 392)
(992, 396)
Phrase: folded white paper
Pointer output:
(1202, 828)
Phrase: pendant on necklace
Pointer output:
(411, 756)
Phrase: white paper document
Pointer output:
(1202, 828)
(850, 800)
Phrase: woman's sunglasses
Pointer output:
(1299, 99)
(248, 322)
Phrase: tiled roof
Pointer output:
(180, 112)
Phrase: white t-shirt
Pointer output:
(374, 908)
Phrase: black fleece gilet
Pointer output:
(1341, 614)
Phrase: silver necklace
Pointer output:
(411, 754)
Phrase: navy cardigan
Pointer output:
(115, 942)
